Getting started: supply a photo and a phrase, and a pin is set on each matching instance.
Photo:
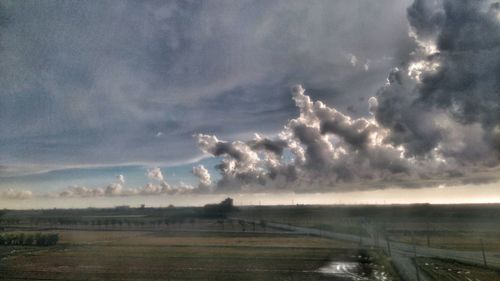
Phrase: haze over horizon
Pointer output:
(107, 103)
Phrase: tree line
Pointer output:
(29, 239)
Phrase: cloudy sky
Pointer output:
(124, 99)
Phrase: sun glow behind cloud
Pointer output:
(467, 194)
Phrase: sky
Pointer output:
(176, 101)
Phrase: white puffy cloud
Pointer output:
(151, 189)
(121, 179)
(183, 187)
(16, 194)
(203, 175)
(113, 189)
(330, 150)
(119, 189)
(240, 162)
(81, 191)
(155, 174)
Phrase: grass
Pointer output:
(124, 255)
(448, 227)
(384, 263)
(449, 270)
(139, 244)
(453, 240)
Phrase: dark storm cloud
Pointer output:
(457, 68)
(412, 125)
(468, 41)
(274, 146)
(318, 151)
(426, 18)
(435, 121)
(83, 82)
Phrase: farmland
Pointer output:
(137, 255)
(253, 243)
(449, 270)
(457, 227)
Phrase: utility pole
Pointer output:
(484, 255)
(388, 245)
(428, 235)
(415, 257)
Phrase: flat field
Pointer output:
(454, 227)
(136, 255)
(244, 244)
(449, 270)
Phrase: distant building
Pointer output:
(220, 210)
(122, 207)
(143, 206)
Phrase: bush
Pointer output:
(29, 239)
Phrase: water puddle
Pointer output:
(354, 271)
